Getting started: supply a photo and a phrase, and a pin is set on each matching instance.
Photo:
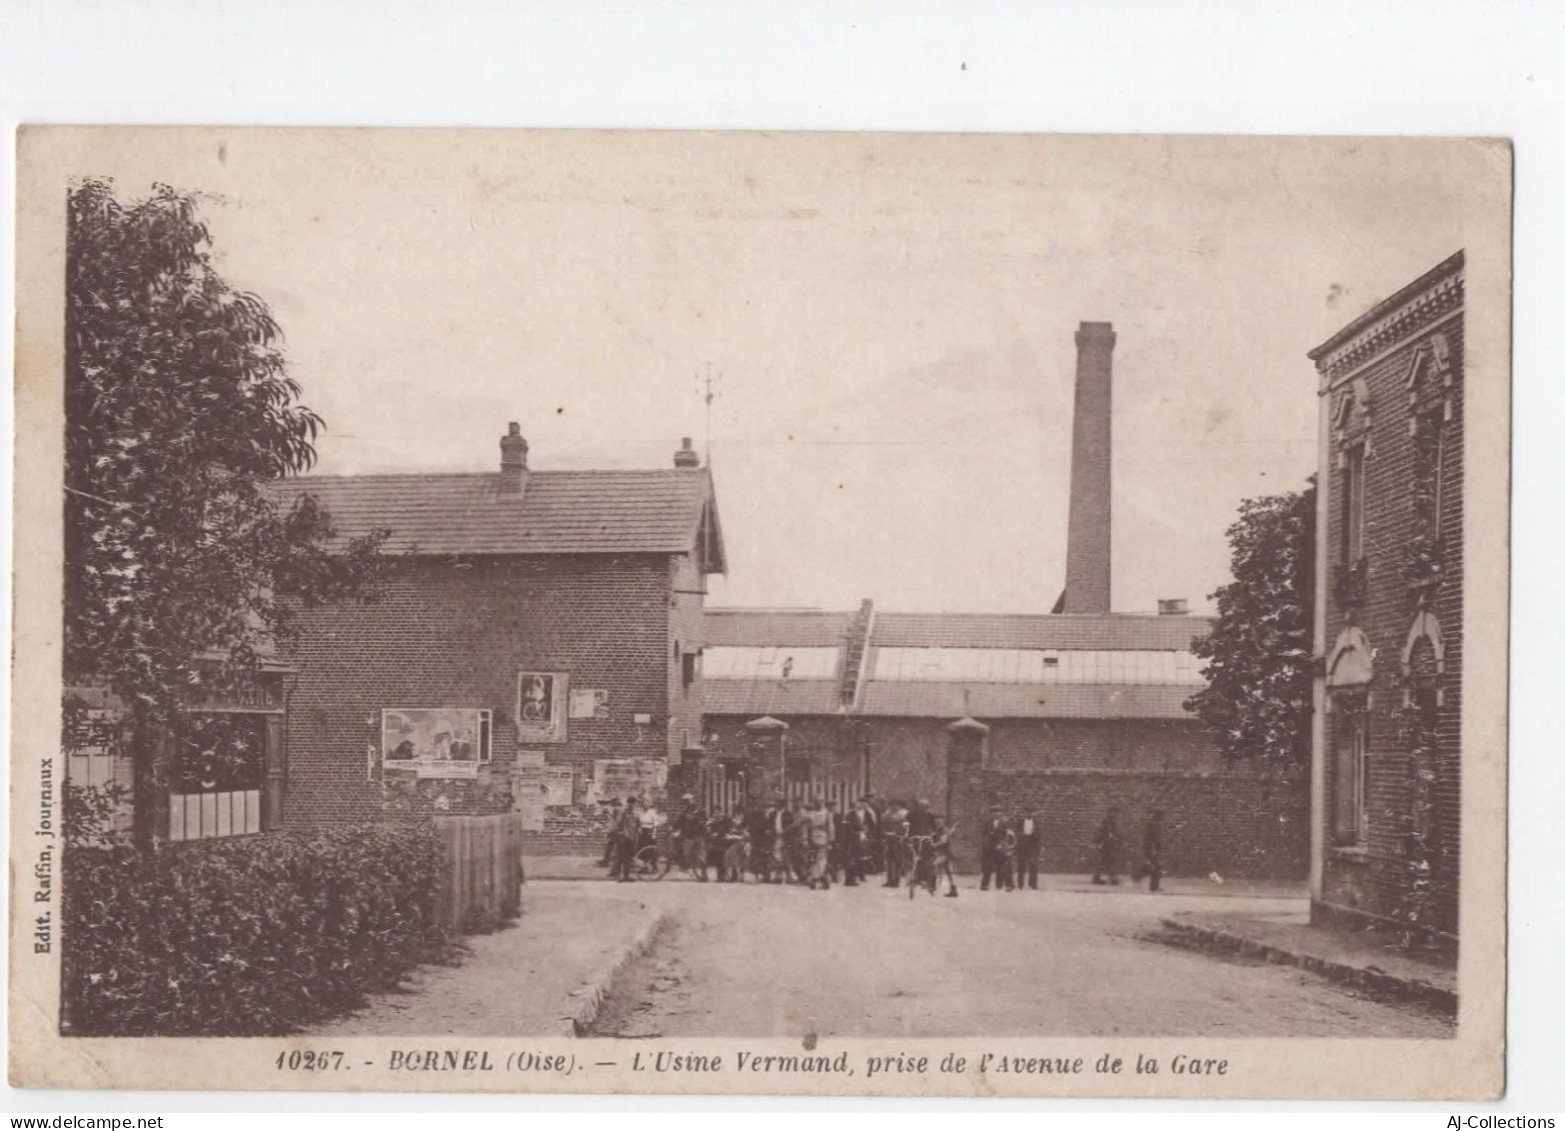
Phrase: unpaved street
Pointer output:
(767, 961)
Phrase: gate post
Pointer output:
(965, 789)
(767, 749)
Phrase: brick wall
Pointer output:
(1102, 744)
(450, 633)
(1235, 823)
(1375, 881)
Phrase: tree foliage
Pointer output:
(180, 563)
(1258, 699)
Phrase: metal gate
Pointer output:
(723, 795)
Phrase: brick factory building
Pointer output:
(536, 646)
(1081, 712)
(1065, 714)
(1388, 743)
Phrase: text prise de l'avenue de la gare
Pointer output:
(667, 1062)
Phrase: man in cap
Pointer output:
(893, 842)
(626, 840)
(998, 845)
(1152, 850)
(610, 840)
(1107, 843)
(691, 836)
(1029, 842)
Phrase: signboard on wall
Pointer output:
(626, 777)
(542, 703)
(529, 793)
(435, 742)
(559, 785)
(589, 703)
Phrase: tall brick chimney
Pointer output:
(687, 456)
(1087, 564)
(513, 460)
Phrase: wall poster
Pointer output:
(589, 703)
(529, 790)
(620, 778)
(542, 701)
(435, 742)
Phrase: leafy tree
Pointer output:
(1258, 698)
(180, 564)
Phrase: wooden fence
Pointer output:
(481, 881)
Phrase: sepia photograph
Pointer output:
(859, 613)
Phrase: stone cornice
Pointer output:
(1412, 314)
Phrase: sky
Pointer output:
(888, 321)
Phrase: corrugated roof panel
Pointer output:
(1014, 701)
(1111, 632)
(1035, 665)
(753, 698)
(730, 661)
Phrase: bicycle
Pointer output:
(922, 872)
(735, 856)
(653, 863)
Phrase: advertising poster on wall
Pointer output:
(626, 777)
(542, 699)
(435, 742)
(589, 703)
(528, 789)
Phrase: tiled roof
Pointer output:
(558, 512)
(757, 697)
(801, 628)
(1019, 701)
(1002, 630)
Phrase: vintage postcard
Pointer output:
(889, 614)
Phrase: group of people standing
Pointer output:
(1109, 850)
(814, 844)
(1011, 848)
(819, 843)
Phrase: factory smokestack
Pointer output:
(1087, 563)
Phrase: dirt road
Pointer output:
(754, 961)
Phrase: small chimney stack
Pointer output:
(687, 456)
(1088, 569)
(513, 460)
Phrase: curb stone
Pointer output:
(592, 994)
(1371, 979)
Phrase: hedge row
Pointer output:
(246, 937)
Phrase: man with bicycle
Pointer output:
(627, 839)
(998, 848)
(893, 842)
(940, 846)
(690, 837)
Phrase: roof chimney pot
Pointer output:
(687, 456)
(513, 460)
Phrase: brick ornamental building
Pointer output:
(536, 647)
(1387, 738)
